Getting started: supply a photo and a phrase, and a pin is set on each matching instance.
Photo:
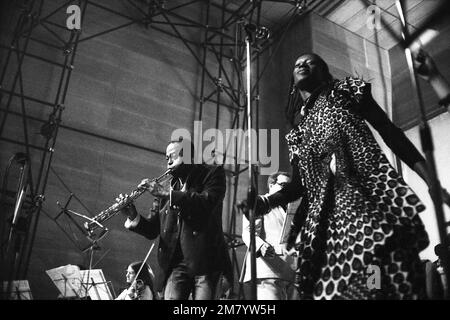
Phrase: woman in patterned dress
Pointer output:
(358, 219)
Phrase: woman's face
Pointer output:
(307, 71)
(130, 275)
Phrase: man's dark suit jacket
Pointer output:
(198, 210)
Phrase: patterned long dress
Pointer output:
(361, 217)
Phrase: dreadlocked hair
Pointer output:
(295, 100)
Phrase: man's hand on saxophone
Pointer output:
(156, 189)
(130, 209)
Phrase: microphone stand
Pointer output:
(428, 148)
(93, 242)
(13, 246)
(91, 257)
(20, 196)
(66, 281)
(89, 235)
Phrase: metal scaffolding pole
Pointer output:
(16, 250)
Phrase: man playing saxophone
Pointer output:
(192, 252)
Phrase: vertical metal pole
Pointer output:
(20, 62)
(60, 101)
(202, 88)
(428, 148)
(219, 78)
(15, 242)
(258, 19)
(251, 190)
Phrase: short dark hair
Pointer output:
(439, 249)
(274, 177)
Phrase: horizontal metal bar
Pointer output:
(224, 44)
(55, 24)
(33, 56)
(54, 34)
(137, 8)
(23, 144)
(184, 5)
(174, 23)
(51, 45)
(28, 98)
(174, 35)
(210, 29)
(110, 10)
(237, 173)
(176, 15)
(21, 115)
(222, 8)
(96, 135)
(108, 31)
(224, 105)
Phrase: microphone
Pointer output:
(253, 31)
(242, 204)
(21, 158)
(250, 27)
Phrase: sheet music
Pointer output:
(20, 290)
(290, 213)
(74, 283)
(68, 281)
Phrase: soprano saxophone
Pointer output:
(97, 221)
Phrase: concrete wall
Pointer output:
(348, 54)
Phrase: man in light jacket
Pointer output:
(275, 269)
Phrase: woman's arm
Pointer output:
(392, 135)
(292, 191)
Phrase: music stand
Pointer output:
(288, 220)
(95, 284)
(68, 281)
(20, 290)
(74, 234)
(68, 221)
